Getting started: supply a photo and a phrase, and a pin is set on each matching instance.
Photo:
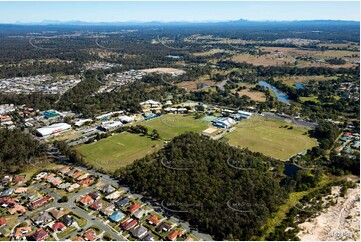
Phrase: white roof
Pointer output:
(244, 112)
(54, 128)
(228, 121)
(150, 102)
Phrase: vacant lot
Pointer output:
(172, 125)
(267, 136)
(118, 151)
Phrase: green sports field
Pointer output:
(266, 136)
(172, 125)
(118, 151)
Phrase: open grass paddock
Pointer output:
(118, 150)
(172, 125)
(266, 136)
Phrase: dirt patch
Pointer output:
(254, 95)
(339, 222)
(165, 70)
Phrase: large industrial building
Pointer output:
(52, 129)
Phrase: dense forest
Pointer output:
(18, 151)
(224, 197)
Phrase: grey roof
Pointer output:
(44, 217)
(122, 202)
(138, 231)
(108, 189)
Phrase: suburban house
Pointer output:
(41, 201)
(148, 237)
(96, 205)
(173, 235)
(130, 223)
(43, 218)
(163, 226)
(139, 232)
(134, 207)
(17, 209)
(68, 220)
(39, 235)
(122, 202)
(57, 213)
(58, 226)
(108, 189)
(114, 195)
(90, 235)
(86, 200)
(116, 216)
(3, 222)
(153, 220)
(139, 213)
(21, 232)
(109, 210)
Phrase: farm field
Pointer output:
(172, 125)
(118, 151)
(266, 136)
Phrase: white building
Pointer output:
(53, 129)
(224, 122)
(245, 114)
(81, 122)
(111, 125)
(126, 119)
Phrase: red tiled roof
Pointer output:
(18, 179)
(174, 234)
(96, 205)
(85, 181)
(41, 234)
(58, 226)
(2, 221)
(86, 200)
(134, 207)
(41, 201)
(153, 219)
(129, 223)
(90, 235)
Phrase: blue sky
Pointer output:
(11, 12)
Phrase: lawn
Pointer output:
(172, 125)
(312, 98)
(266, 136)
(118, 151)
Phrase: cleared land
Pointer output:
(264, 60)
(172, 125)
(192, 85)
(291, 80)
(254, 95)
(266, 136)
(118, 151)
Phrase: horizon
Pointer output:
(194, 12)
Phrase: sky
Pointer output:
(11, 12)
